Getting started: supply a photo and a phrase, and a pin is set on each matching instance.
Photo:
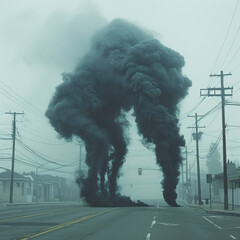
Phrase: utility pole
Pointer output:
(197, 137)
(188, 181)
(183, 189)
(186, 158)
(80, 157)
(13, 152)
(221, 92)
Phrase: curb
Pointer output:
(222, 212)
(38, 204)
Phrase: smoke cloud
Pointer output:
(126, 68)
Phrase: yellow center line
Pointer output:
(66, 224)
(37, 214)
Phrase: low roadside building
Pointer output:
(22, 187)
(233, 175)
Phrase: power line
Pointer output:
(37, 154)
(217, 107)
(23, 100)
(234, 69)
(233, 57)
(214, 148)
(226, 36)
(23, 103)
(23, 161)
(45, 143)
(193, 109)
(234, 39)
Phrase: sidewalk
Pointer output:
(218, 208)
(5, 204)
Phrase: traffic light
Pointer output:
(139, 171)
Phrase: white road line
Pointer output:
(154, 217)
(153, 223)
(218, 217)
(231, 228)
(212, 222)
(168, 224)
(6, 212)
(148, 236)
(232, 237)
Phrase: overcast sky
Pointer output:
(41, 39)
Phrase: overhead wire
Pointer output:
(235, 68)
(37, 154)
(234, 39)
(23, 103)
(184, 115)
(230, 62)
(214, 147)
(22, 100)
(45, 143)
(220, 51)
(215, 108)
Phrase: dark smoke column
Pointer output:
(125, 69)
(155, 78)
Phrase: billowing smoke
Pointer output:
(126, 68)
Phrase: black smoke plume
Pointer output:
(126, 68)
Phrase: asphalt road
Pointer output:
(74, 222)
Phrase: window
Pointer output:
(4, 186)
(18, 184)
(23, 189)
(29, 191)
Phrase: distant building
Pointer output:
(32, 187)
(233, 175)
(22, 187)
(48, 188)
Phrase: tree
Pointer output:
(213, 160)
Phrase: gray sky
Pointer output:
(41, 39)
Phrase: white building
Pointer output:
(22, 187)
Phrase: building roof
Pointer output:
(7, 175)
(234, 177)
(45, 178)
(230, 176)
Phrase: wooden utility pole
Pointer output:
(221, 92)
(186, 158)
(197, 138)
(13, 152)
(188, 180)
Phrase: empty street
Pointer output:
(72, 221)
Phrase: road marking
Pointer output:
(34, 215)
(153, 223)
(230, 228)
(11, 211)
(154, 217)
(66, 224)
(148, 236)
(21, 217)
(168, 224)
(232, 237)
(218, 217)
(212, 222)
